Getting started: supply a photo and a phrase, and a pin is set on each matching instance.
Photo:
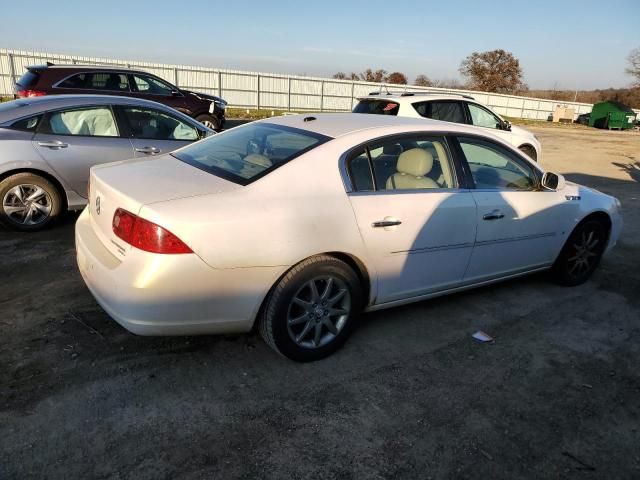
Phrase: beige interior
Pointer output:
(413, 166)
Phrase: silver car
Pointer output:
(48, 144)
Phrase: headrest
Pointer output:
(258, 159)
(391, 149)
(416, 162)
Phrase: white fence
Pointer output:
(273, 91)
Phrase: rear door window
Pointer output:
(93, 122)
(377, 107)
(110, 81)
(445, 110)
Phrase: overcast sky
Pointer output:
(569, 44)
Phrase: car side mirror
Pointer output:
(506, 125)
(175, 93)
(552, 181)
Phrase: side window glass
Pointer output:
(360, 172)
(108, 81)
(447, 111)
(481, 117)
(156, 125)
(97, 122)
(27, 124)
(404, 164)
(422, 109)
(493, 167)
(146, 84)
(76, 81)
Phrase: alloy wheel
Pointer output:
(318, 311)
(27, 204)
(586, 253)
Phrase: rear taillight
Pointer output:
(26, 93)
(146, 235)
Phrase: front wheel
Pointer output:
(209, 121)
(581, 254)
(29, 202)
(312, 310)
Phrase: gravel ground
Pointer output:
(557, 395)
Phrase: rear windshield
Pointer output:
(244, 154)
(378, 107)
(29, 79)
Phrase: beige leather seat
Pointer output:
(413, 167)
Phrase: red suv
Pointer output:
(53, 79)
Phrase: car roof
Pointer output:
(31, 106)
(88, 67)
(413, 97)
(339, 124)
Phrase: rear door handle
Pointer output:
(495, 215)
(385, 223)
(53, 144)
(148, 150)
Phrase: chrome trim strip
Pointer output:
(436, 249)
(515, 239)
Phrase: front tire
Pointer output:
(581, 253)
(209, 121)
(29, 202)
(312, 310)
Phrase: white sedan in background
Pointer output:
(297, 224)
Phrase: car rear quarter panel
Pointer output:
(299, 210)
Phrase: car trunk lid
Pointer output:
(134, 183)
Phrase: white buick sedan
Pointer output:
(296, 225)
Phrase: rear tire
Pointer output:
(209, 121)
(581, 253)
(529, 151)
(312, 310)
(28, 202)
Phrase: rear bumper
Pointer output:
(150, 294)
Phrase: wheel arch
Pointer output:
(352, 261)
(44, 174)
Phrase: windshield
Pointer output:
(378, 107)
(244, 154)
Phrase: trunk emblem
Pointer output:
(98, 205)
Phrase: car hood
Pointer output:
(521, 132)
(204, 96)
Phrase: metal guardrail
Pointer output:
(258, 90)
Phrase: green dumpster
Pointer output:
(612, 115)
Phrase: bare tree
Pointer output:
(397, 78)
(447, 83)
(634, 65)
(422, 81)
(345, 76)
(378, 76)
(495, 71)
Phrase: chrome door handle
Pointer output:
(495, 215)
(148, 150)
(54, 144)
(385, 223)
